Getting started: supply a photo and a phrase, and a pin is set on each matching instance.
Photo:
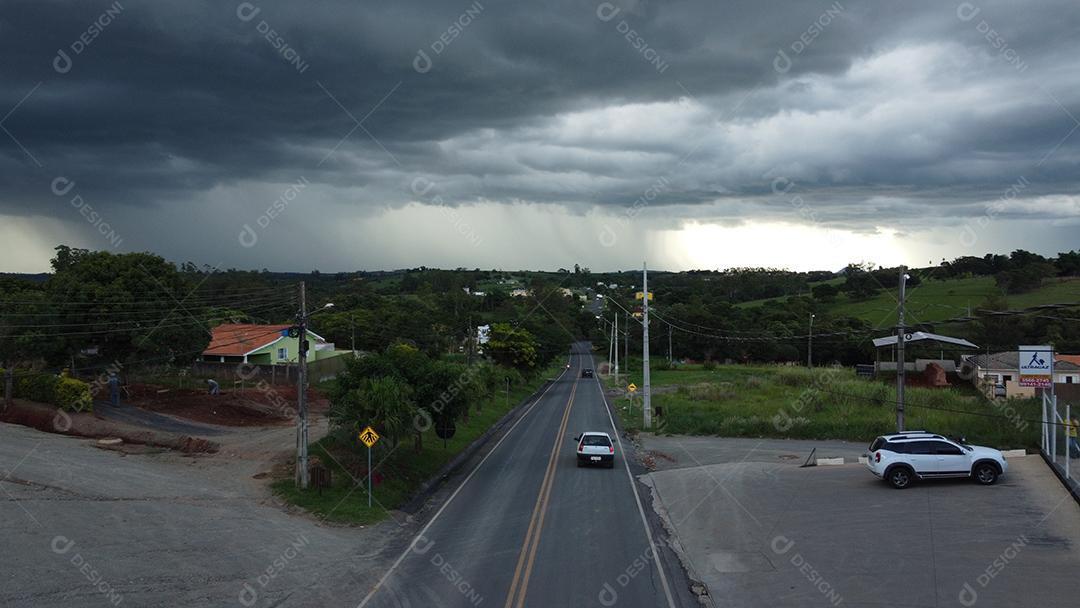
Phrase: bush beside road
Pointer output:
(400, 471)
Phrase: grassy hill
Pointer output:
(937, 300)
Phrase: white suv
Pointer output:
(902, 458)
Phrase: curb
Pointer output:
(1070, 486)
(1014, 453)
(433, 483)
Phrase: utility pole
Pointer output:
(626, 343)
(610, 342)
(647, 398)
(615, 334)
(469, 337)
(352, 330)
(901, 370)
(810, 344)
(301, 401)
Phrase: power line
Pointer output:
(246, 339)
(148, 325)
(259, 306)
(172, 299)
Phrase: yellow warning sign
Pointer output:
(368, 436)
(632, 388)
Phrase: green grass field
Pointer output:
(403, 468)
(796, 403)
(936, 300)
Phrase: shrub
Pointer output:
(37, 387)
(66, 393)
(794, 376)
(707, 391)
(755, 382)
(73, 395)
(662, 365)
(708, 365)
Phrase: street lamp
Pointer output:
(810, 344)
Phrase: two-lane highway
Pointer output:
(528, 527)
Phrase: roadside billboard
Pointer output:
(1036, 366)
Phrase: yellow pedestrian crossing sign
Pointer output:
(368, 436)
(632, 388)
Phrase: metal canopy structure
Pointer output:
(922, 336)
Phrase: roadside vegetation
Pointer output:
(401, 465)
(797, 403)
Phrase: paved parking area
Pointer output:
(760, 531)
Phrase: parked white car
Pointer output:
(902, 458)
(595, 447)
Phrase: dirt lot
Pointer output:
(250, 407)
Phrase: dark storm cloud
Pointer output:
(873, 111)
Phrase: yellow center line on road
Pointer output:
(536, 523)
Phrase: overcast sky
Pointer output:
(345, 135)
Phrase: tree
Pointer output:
(512, 346)
(1024, 279)
(825, 292)
(129, 306)
(860, 283)
(384, 402)
(1068, 264)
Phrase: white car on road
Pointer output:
(595, 447)
(902, 458)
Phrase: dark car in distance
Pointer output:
(586, 373)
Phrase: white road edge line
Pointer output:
(412, 543)
(637, 496)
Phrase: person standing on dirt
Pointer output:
(214, 389)
(114, 389)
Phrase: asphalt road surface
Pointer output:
(528, 527)
(140, 417)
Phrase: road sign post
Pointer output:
(369, 437)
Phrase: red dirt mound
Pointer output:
(49, 419)
(250, 407)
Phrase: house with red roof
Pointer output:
(265, 344)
